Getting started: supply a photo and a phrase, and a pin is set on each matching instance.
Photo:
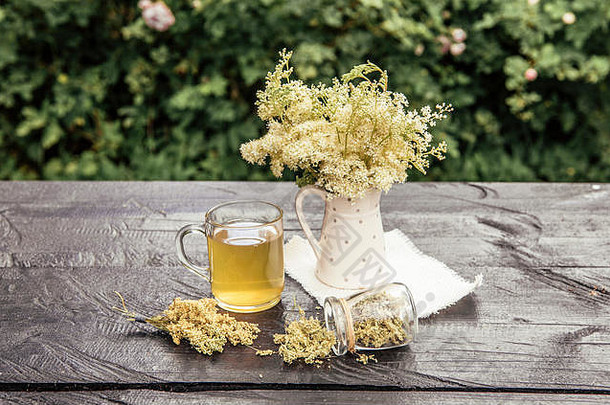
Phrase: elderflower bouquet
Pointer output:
(347, 138)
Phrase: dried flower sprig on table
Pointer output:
(305, 338)
(365, 358)
(346, 138)
(199, 323)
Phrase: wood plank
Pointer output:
(136, 397)
(541, 247)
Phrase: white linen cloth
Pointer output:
(434, 286)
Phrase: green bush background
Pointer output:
(88, 91)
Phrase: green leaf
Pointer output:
(51, 135)
(33, 120)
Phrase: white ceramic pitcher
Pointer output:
(351, 251)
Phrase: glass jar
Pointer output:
(383, 317)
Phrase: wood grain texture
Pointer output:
(540, 321)
(137, 397)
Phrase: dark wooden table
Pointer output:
(538, 330)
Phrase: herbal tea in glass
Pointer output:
(247, 265)
(246, 254)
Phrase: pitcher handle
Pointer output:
(182, 257)
(298, 204)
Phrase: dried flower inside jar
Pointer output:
(381, 318)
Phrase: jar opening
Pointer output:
(334, 317)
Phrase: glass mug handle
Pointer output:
(188, 229)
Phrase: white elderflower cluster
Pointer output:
(348, 137)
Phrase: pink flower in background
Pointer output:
(158, 16)
(457, 49)
(530, 74)
(454, 44)
(568, 18)
(419, 50)
(459, 35)
(445, 43)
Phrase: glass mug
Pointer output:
(245, 251)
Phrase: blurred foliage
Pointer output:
(88, 91)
